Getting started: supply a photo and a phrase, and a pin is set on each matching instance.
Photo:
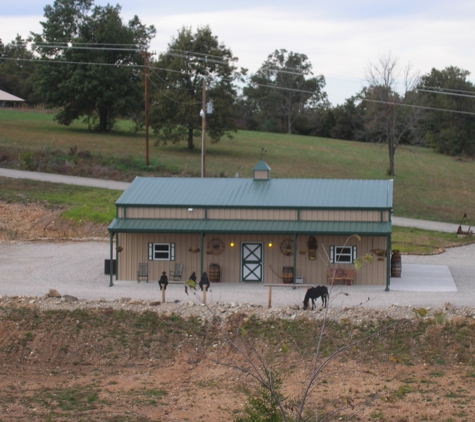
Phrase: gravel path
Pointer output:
(77, 269)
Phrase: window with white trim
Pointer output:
(161, 251)
(342, 254)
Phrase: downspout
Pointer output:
(110, 259)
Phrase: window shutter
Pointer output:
(172, 252)
(150, 251)
(354, 253)
(332, 252)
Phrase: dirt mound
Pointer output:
(34, 221)
(109, 364)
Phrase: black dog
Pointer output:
(163, 282)
(314, 293)
(204, 282)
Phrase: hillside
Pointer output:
(426, 185)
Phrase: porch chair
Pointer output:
(176, 274)
(142, 273)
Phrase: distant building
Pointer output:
(254, 230)
(9, 100)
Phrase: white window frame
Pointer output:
(342, 254)
(166, 254)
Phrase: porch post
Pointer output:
(202, 235)
(117, 256)
(388, 262)
(295, 257)
(111, 235)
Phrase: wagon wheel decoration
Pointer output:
(215, 246)
(287, 247)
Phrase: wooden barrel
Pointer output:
(214, 273)
(288, 275)
(396, 265)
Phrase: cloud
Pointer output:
(339, 45)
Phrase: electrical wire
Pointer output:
(166, 82)
(447, 93)
(287, 89)
(199, 59)
(196, 53)
(67, 47)
(70, 62)
(284, 71)
(171, 99)
(415, 106)
(449, 89)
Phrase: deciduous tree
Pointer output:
(283, 89)
(93, 59)
(16, 69)
(388, 115)
(191, 59)
(448, 132)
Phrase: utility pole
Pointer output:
(203, 130)
(146, 55)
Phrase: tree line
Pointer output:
(87, 63)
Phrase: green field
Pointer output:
(426, 185)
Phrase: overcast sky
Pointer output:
(340, 37)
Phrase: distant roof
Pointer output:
(5, 96)
(248, 193)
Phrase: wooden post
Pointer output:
(163, 295)
(204, 295)
(203, 131)
(269, 297)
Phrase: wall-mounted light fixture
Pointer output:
(190, 209)
(270, 245)
(231, 244)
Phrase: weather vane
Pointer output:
(263, 151)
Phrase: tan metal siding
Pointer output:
(253, 214)
(174, 213)
(314, 272)
(339, 215)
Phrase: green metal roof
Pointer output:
(142, 225)
(247, 193)
(262, 166)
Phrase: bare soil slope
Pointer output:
(107, 365)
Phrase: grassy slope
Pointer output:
(427, 185)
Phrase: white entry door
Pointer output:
(251, 261)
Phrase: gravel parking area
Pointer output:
(77, 269)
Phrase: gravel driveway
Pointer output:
(77, 269)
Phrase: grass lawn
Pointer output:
(426, 185)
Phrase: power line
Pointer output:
(171, 99)
(166, 82)
(284, 71)
(70, 62)
(447, 93)
(72, 47)
(286, 89)
(415, 106)
(72, 44)
(449, 89)
(199, 59)
(195, 53)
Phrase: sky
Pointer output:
(340, 37)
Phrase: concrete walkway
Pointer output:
(121, 186)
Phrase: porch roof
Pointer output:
(348, 228)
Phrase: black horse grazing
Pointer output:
(314, 293)
(163, 282)
(204, 282)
